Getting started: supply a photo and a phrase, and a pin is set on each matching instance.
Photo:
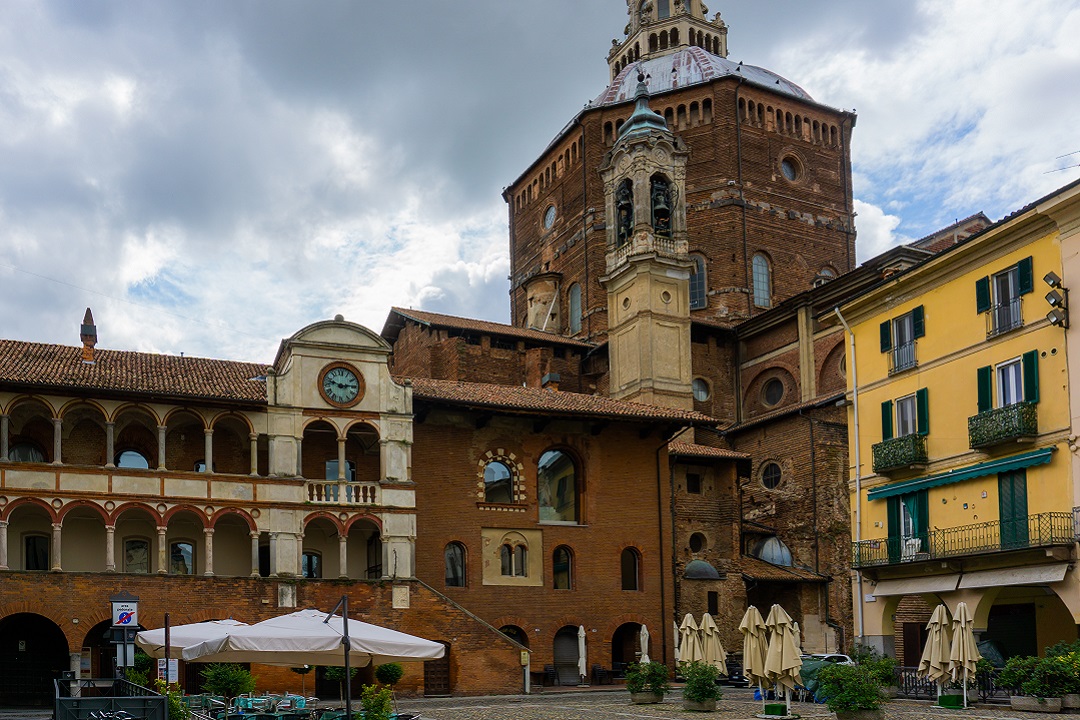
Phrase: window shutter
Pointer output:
(986, 388)
(1031, 376)
(886, 336)
(982, 295)
(922, 514)
(886, 420)
(1025, 282)
(922, 412)
(918, 322)
(892, 510)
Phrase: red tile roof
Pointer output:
(758, 569)
(686, 449)
(61, 368)
(531, 401)
(390, 329)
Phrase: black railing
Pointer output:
(985, 689)
(900, 452)
(902, 357)
(103, 698)
(1005, 316)
(1004, 424)
(1033, 531)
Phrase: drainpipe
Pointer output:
(860, 625)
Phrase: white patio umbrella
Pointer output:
(690, 640)
(712, 649)
(644, 637)
(188, 642)
(675, 635)
(964, 652)
(581, 659)
(782, 660)
(752, 628)
(934, 663)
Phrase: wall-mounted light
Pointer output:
(1055, 298)
(1058, 299)
(1052, 279)
(1058, 317)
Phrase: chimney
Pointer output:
(88, 335)
(550, 381)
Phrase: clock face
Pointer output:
(341, 385)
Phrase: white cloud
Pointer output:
(876, 231)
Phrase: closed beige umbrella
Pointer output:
(782, 659)
(964, 653)
(712, 648)
(689, 640)
(752, 628)
(934, 663)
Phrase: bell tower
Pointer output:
(660, 27)
(648, 265)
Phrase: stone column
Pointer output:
(56, 528)
(273, 554)
(208, 550)
(110, 548)
(300, 554)
(208, 450)
(299, 458)
(254, 553)
(341, 459)
(110, 444)
(4, 426)
(58, 427)
(162, 429)
(162, 552)
(3, 545)
(343, 556)
(254, 438)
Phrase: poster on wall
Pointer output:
(86, 668)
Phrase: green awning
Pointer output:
(991, 467)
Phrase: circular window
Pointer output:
(790, 168)
(700, 388)
(549, 217)
(843, 367)
(773, 392)
(770, 476)
(697, 542)
(626, 303)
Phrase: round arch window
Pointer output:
(549, 217)
(498, 483)
(791, 168)
(698, 542)
(771, 476)
(772, 392)
(700, 388)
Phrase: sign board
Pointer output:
(86, 663)
(125, 613)
(173, 669)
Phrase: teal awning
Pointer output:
(991, 467)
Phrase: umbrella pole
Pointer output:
(787, 698)
(344, 605)
(761, 692)
(965, 685)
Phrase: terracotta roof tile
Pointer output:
(758, 569)
(480, 326)
(61, 368)
(686, 449)
(787, 410)
(526, 400)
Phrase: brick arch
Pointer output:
(831, 364)
(186, 411)
(68, 507)
(565, 621)
(121, 509)
(311, 421)
(82, 402)
(188, 508)
(619, 620)
(38, 608)
(357, 518)
(135, 407)
(364, 422)
(93, 615)
(786, 372)
(19, 502)
(26, 399)
(325, 515)
(157, 618)
(243, 514)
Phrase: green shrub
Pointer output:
(377, 702)
(178, 710)
(1051, 677)
(846, 688)
(227, 680)
(701, 681)
(389, 674)
(337, 674)
(647, 677)
(881, 667)
(1017, 669)
(1063, 648)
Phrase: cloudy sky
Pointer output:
(211, 176)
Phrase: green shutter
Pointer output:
(922, 514)
(886, 420)
(886, 336)
(986, 388)
(918, 322)
(1031, 376)
(922, 412)
(893, 513)
(1025, 281)
(982, 295)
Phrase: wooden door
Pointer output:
(437, 675)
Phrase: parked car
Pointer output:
(838, 658)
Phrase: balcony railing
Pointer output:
(1005, 316)
(340, 492)
(1012, 423)
(643, 244)
(1033, 531)
(901, 452)
(902, 357)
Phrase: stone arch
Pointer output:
(830, 375)
(136, 428)
(136, 507)
(31, 501)
(185, 443)
(753, 401)
(233, 511)
(232, 443)
(83, 433)
(177, 509)
(31, 422)
(69, 506)
(232, 541)
(365, 517)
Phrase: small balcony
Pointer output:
(902, 357)
(341, 492)
(1014, 423)
(647, 243)
(1005, 316)
(902, 453)
(1034, 531)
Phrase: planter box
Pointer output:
(699, 705)
(1070, 701)
(1032, 704)
(776, 709)
(646, 698)
(951, 700)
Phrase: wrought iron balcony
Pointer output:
(1013, 423)
(902, 452)
(1005, 316)
(903, 357)
(1034, 531)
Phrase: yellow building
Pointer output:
(960, 433)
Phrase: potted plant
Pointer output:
(852, 692)
(647, 682)
(228, 680)
(1035, 685)
(883, 669)
(376, 702)
(701, 691)
(1069, 656)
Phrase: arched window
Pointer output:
(575, 308)
(455, 564)
(661, 196)
(698, 282)
(761, 281)
(498, 483)
(516, 634)
(557, 487)
(624, 212)
(26, 452)
(311, 565)
(132, 459)
(514, 560)
(562, 562)
(631, 569)
(181, 558)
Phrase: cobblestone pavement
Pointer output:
(737, 704)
